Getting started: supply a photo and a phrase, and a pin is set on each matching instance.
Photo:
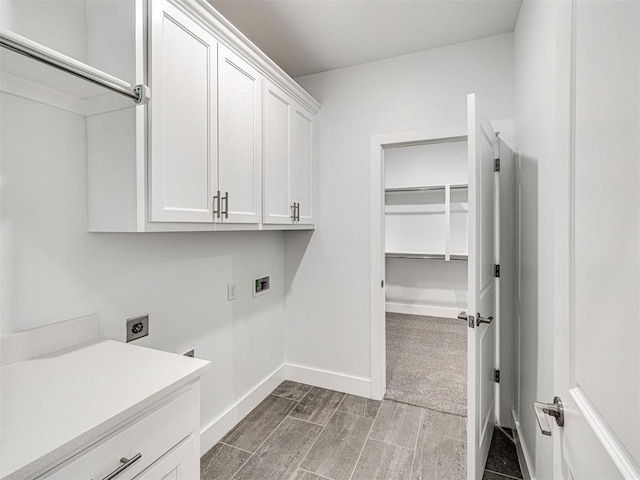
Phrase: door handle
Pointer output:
(555, 409)
(467, 318)
(126, 463)
(293, 214)
(216, 205)
(480, 319)
(298, 212)
(225, 212)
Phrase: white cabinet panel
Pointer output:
(149, 438)
(240, 159)
(180, 464)
(183, 118)
(277, 156)
(302, 165)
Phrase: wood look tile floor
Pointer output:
(301, 432)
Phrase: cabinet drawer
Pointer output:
(151, 436)
(179, 464)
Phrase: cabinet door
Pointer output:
(277, 109)
(179, 464)
(240, 156)
(183, 117)
(302, 164)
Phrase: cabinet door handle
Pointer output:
(297, 212)
(226, 205)
(293, 212)
(126, 463)
(216, 205)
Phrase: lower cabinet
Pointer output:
(175, 465)
(161, 444)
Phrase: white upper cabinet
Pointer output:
(302, 165)
(288, 182)
(278, 206)
(183, 116)
(240, 142)
(224, 142)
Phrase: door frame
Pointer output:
(377, 267)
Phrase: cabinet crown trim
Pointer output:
(226, 33)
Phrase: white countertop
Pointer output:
(52, 405)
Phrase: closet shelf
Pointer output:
(424, 188)
(425, 256)
(18, 66)
(420, 256)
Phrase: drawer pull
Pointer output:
(126, 463)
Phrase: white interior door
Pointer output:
(597, 325)
(482, 290)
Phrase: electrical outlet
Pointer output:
(261, 285)
(231, 291)
(137, 327)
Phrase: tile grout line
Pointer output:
(313, 473)
(391, 444)
(364, 444)
(307, 421)
(502, 474)
(265, 440)
(415, 446)
(288, 398)
(446, 436)
(319, 434)
(237, 448)
(215, 456)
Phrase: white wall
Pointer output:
(417, 286)
(52, 269)
(328, 305)
(535, 100)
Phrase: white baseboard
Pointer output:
(446, 312)
(331, 380)
(212, 433)
(524, 458)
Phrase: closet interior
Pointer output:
(426, 223)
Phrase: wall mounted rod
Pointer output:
(23, 46)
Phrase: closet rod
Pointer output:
(424, 188)
(426, 256)
(19, 44)
(420, 256)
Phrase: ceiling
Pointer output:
(311, 36)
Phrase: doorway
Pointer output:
(425, 223)
(481, 318)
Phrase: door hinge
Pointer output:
(496, 376)
(496, 271)
(497, 165)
